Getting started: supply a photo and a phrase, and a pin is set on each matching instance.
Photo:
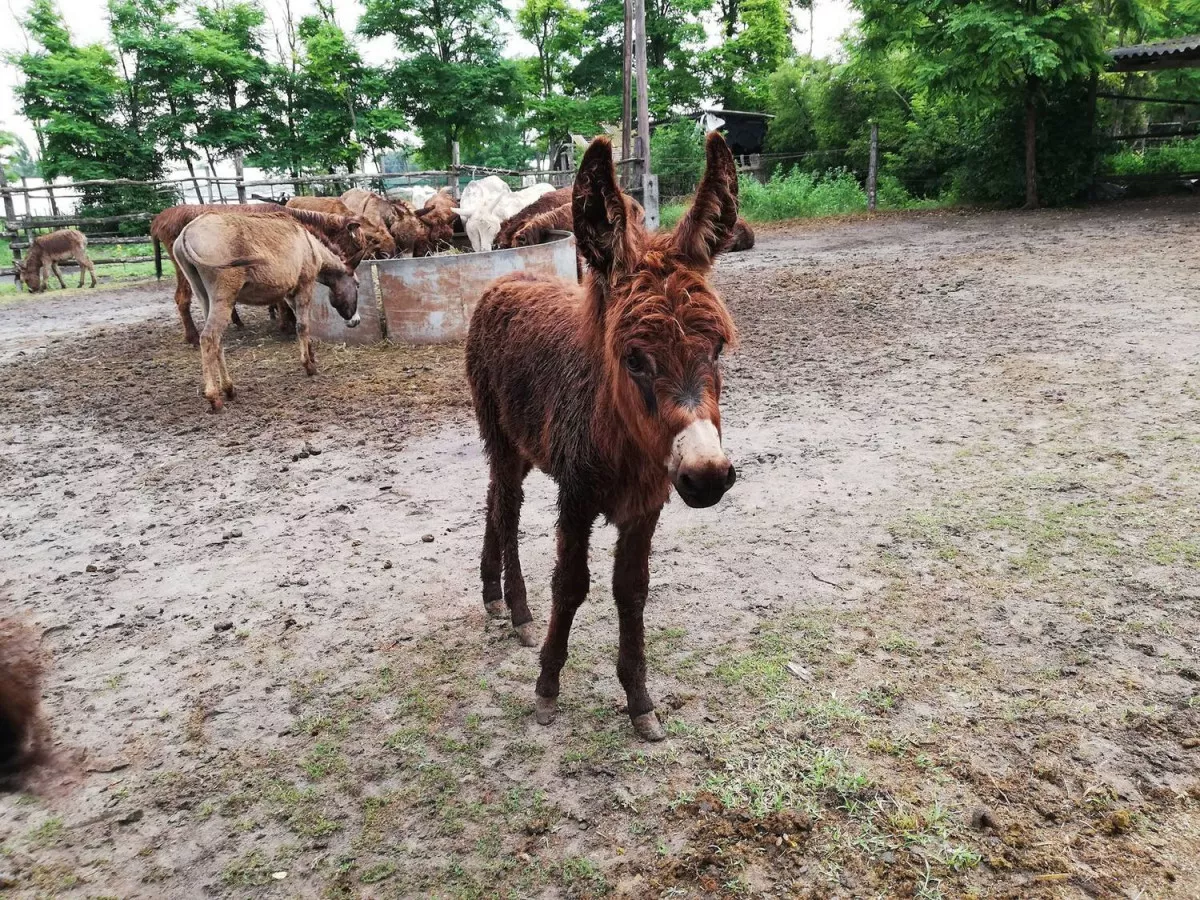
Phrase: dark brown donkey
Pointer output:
(22, 736)
(613, 390)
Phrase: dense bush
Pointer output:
(798, 194)
(1180, 156)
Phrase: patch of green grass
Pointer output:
(762, 670)
(322, 760)
(580, 873)
(48, 833)
(252, 869)
(378, 872)
(768, 775)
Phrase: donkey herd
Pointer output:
(610, 386)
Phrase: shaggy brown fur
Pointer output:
(562, 218)
(743, 237)
(440, 220)
(375, 231)
(22, 736)
(260, 260)
(345, 234)
(537, 230)
(331, 206)
(47, 251)
(613, 390)
(544, 204)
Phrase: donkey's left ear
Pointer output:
(708, 226)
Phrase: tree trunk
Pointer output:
(1031, 192)
(195, 181)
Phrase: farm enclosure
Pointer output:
(940, 637)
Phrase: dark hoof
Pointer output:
(648, 728)
(496, 608)
(229, 392)
(527, 634)
(545, 710)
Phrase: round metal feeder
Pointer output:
(430, 299)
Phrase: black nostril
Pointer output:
(687, 482)
(731, 477)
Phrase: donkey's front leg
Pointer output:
(568, 588)
(631, 583)
(58, 275)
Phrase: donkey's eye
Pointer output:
(636, 363)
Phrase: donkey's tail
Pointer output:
(186, 263)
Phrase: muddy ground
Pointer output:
(941, 640)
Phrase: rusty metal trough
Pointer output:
(429, 300)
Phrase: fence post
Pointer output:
(10, 211)
(454, 158)
(873, 167)
(240, 174)
(650, 201)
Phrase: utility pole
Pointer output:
(627, 92)
(649, 181)
(873, 167)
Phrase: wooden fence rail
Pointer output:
(29, 224)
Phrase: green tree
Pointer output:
(451, 77)
(234, 77)
(159, 76)
(346, 117)
(995, 52)
(86, 127)
(555, 28)
(758, 44)
(674, 41)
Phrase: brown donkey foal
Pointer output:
(612, 388)
(258, 260)
(47, 251)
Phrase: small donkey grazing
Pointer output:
(47, 251)
(257, 260)
(612, 389)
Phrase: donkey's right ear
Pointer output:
(599, 212)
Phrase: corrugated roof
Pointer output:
(1177, 47)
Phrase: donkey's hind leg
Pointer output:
(211, 362)
(505, 496)
(489, 566)
(236, 319)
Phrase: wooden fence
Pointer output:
(20, 230)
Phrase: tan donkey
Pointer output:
(48, 251)
(257, 260)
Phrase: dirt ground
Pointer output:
(941, 640)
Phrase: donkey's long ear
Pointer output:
(600, 218)
(708, 226)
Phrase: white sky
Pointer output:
(88, 22)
